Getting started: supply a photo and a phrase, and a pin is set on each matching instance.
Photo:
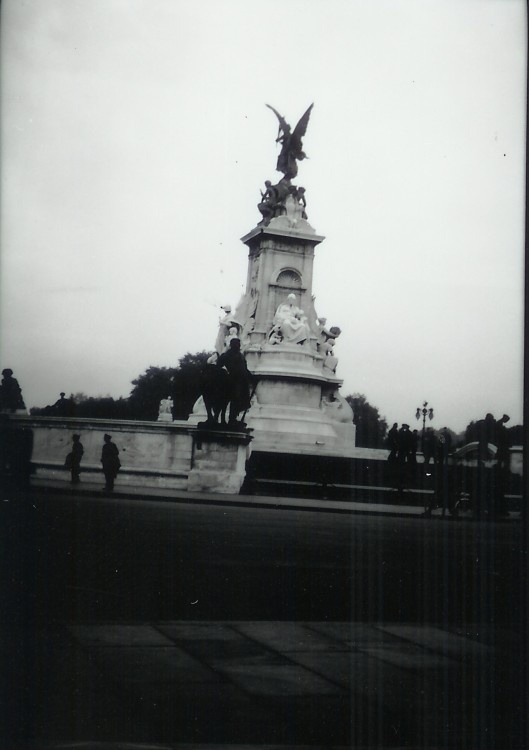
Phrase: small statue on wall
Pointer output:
(274, 336)
(329, 360)
(225, 323)
(325, 333)
(233, 333)
(165, 410)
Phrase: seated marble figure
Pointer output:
(290, 323)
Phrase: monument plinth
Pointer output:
(296, 405)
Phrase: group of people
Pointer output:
(109, 460)
(480, 486)
(403, 445)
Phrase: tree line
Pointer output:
(182, 384)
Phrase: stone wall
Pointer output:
(157, 454)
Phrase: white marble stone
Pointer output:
(166, 455)
(296, 404)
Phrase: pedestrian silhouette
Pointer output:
(429, 444)
(73, 459)
(443, 490)
(503, 466)
(393, 442)
(503, 454)
(393, 445)
(110, 461)
(414, 448)
(404, 443)
(444, 445)
(486, 433)
(484, 495)
(404, 449)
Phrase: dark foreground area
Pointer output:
(155, 622)
(106, 557)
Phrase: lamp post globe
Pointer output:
(424, 411)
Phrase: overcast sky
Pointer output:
(135, 139)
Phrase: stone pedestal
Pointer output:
(218, 461)
(296, 405)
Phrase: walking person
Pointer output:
(484, 495)
(503, 454)
(503, 466)
(110, 461)
(393, 445)
(429, 445)
(405, 447)
(443, 489)
(393, 442)
(75, 458)
(412, 458)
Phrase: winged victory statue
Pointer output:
(291, 145)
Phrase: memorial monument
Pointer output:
(296, 405)
(271, 408)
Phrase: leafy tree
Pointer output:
(371, 428)
(149, 389)
(187, 382)
(89, 407)
(102, 407)
(182, 383)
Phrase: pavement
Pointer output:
(395, 505)
(207, 685)
(268, 684)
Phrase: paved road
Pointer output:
(107, 558)
(152, 621)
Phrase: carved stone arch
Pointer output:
(288, 278)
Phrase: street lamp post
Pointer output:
(426, 412)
